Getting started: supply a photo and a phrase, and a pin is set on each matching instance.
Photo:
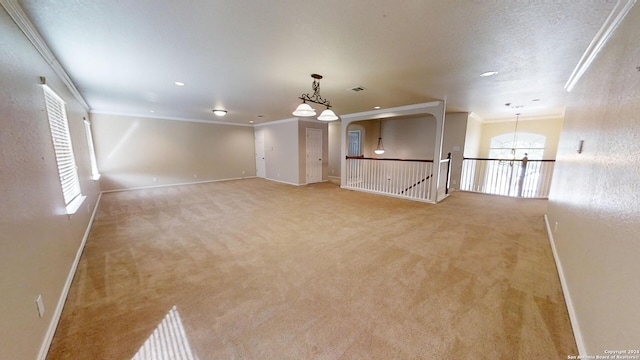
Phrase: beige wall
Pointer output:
(548, 127)
(303, 125)
(38, 240)
(281, 150)
(595, 196)
(335, 150)
(140, 152)
(403, 138)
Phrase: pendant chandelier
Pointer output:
(515, 138)
(305, 110)
(380, 148)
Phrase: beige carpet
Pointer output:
(262, 270)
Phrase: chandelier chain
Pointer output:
(315, 98)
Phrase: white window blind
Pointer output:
(67, 169)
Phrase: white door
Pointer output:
(354, 143)
(261, 166)
(314, 155)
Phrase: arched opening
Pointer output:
(503, 146)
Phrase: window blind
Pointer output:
(62, 146)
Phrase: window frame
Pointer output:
(63, 150)
(95, 173)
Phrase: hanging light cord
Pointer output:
(515, 134)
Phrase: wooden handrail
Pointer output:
(488, 159)
(418, 183)
(387, 159)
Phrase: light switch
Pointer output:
(40, 305)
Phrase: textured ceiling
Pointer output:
(255, 57)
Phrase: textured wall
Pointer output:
(595, 196)
(138, 152)
(38, 240)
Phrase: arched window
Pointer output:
(533, 144)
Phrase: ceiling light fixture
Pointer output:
(179, 83)
(488, 73)
(380, 148)
(217, 112)
(305, 110)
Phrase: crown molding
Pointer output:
(395, 111)
(26, 26)
(526, 118)
(476, 117)
(170, 118)
(619, 12)
(276, 122)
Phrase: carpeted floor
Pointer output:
(262, 270)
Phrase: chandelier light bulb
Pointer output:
(327, 115)
(304, 110)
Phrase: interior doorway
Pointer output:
(261, 166)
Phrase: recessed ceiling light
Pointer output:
(376, 107)
(218, 112)
(250, 121)
(488, 73)
(179, 83)
(152, 111)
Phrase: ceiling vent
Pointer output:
(357, 88)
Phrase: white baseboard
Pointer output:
(283, 182)
(46, 343)
(582, 351)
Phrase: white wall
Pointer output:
(455, 130)
(473, 137)
(38, 240)
(281, 150)
(595, 196)
(140, 152)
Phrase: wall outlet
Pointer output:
(155, 179)
(40, 305)
(242, 172)
(195, 176)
